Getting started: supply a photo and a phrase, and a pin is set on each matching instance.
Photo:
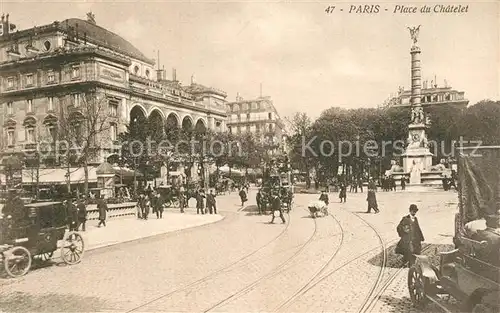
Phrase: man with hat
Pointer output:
(276, 206)
(411, 236)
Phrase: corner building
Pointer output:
(46, 69)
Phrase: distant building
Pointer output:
(431, 95)
(259, 117)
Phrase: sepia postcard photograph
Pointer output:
(250, 156)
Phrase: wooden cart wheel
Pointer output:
(416, 287)
(17, 261)
(175, 203)
(73, 248)
(168, 203)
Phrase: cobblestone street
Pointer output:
(242, 263)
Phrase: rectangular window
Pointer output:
(30, 135)
(29, 79)
(29, 108)
(75, 73)
(10, 137)
(230, 129)
(50, 106)
(52, 132)
(239, 117)
(9, 108)
(114, 131)
(10, 82)
(270, 127)
(113, 108)
(270, 115)
(50, 76)
(248, 116)
(76, 99)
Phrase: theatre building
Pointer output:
(60, 71)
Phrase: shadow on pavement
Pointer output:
(50, 302)
(396, 261)
(250, 208)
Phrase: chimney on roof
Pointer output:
(174, 75)
(445, 83)
(425, 84)
(3, 17)
(160, 74)
(193, 80)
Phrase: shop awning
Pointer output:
(58, 176)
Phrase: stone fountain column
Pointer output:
(417, 157)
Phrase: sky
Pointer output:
(305, 59)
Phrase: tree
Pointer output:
(84, 126)
(480, 122)
(300, 125)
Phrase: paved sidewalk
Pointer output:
(130, 228)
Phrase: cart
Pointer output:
(169, 196)
(34, 233)
(471, 272)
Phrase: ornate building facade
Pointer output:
(45, 70)
(259, 117)
(432, 94)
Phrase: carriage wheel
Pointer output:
(168, 203)
(175, 203)
(72, 249)
(416, 287)
(17, 262)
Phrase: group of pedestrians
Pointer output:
(149, 202)
(206, 204)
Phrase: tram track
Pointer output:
(215, 273)
(277, 270)
(301, 291)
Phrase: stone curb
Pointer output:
(153, 235)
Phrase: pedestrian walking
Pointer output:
(140, 206)
(411, 236)
(343, 193)
(182, 200)
(403, 182)
(243, 196)
(146, 207)
(200, 205)
(324, 197)
(72, 215)
(211, 203)
(103, 208)
(82, 213)
(258, 199)
(158, 205)
(372, 197)
(276, 207)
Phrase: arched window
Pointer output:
(136, 70)
(147, 73)
(11, 136)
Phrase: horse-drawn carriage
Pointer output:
(169, 195)
(276, 186)
(471, 272)
(33, 232)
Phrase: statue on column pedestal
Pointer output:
(417, 115)
(414, 33)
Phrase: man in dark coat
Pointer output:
(403, 182)
(411, 236)
(243, 196)
(82, 213)
(324, 197)
(103, 208)
(200, 205)
(372, 197)
(276, 206)
(72, 215)
(343, 192)
(158, 205)
(211, 203)
(182, 199)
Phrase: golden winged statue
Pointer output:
(414, 33)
